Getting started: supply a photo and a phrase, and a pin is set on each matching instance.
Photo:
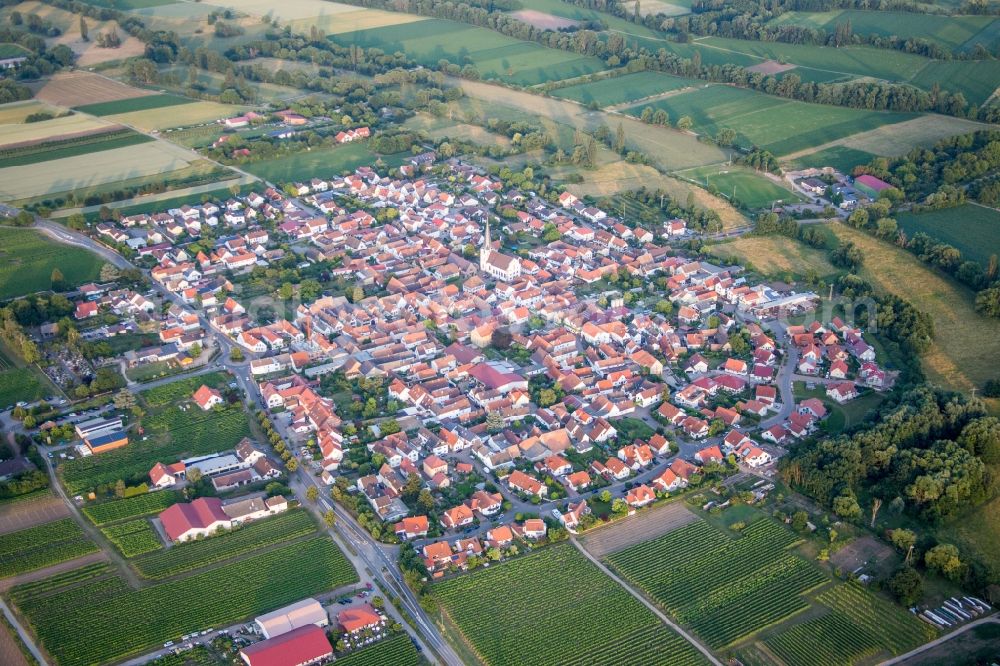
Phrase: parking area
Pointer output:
(19, 515)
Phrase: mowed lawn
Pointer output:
(974, 230)
(741, 186)
(774, 256)
(966, 344)
(19, 383)
(494, 55)
(316, 163)
(556, 608)
(775, 124)
(622, 89)
(841, 158)
(27, 259)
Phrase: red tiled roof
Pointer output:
(354, 619)
(299, 646)
(199, 514)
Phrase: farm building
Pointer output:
(870, 186)
(97, 427)
(357, 619)
(187, 520)
(299, 647)
(106, 442)
(293, 616)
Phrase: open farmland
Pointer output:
(725, 588)
(442, 128)
(773, 256)
(93, 170)
(157, 613)
(666, 148)
(741, 186)
(648, 7)
(557, 608)
(172, 435)
(955, 33)
(976, 79)
(17, 133)
(195, 113)
(622, 89)
(573, 12)
(966, 344)
(317, 163)
(395, 651)
(14, 113)
(78, 88)
(131, 507)
(494, 55)
(974, 230)
(841, 158)
(858, 625)
(42, 546)
(184, 557)
(27, 259)
(182, 389)
(753, 116)
(17, 384)
(70, 146)
(143, 103)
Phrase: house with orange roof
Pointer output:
(528, 485)
(640, 496)
(412, 528)
(207, 398)
(458, 516)
(578, 481)
(500, 537)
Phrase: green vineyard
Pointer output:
(395, 651)
(557, 609)
(189, 556)
(42, 546)
(726, 589)
(134, 537)
(103, 620)
(131, 507)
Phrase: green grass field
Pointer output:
(317, 163)
(743, 187)
(21, 384)
(8, 50)
(41, 546)
(778, 125)
(974, 230)
(841, 158)
(125, 5)
(622, 89)
(54, 150)
(494, 55)
(977, 533)
(843, 416)
(556, 608)
(976, 79)
(955, 33)
(122, 621)
(577, 13)
(774, 257)
(143, 103)
(27, 259)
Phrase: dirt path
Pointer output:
(663, 618)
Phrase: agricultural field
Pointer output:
(858, 625)
(742, 187)
(976, 79)
(774, 256)
(623, 89)
(185, 557)
(442, 128)
(28, 257)
(841, 158)
(955, 33)
(143, 103)
(666, 148)
(576, 13)
(23, 155)
(557, 608)
(494, 55)
(659, 7)
(131, 507)
(126, 5)
(158, 613)
(752, 115)
(974, 230)
(182, 115)
(395, 651)
(42, 546)
(79, 88)
(900, 138)
(725, 588)
(966, 344)
(182, 389)
(13, 131)
(17, 384)
(320, 162)
(172, 435)
(133, 537)
(14, 113)
(92, 171)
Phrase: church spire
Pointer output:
(486, 249)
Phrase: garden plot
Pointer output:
(83, 171)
